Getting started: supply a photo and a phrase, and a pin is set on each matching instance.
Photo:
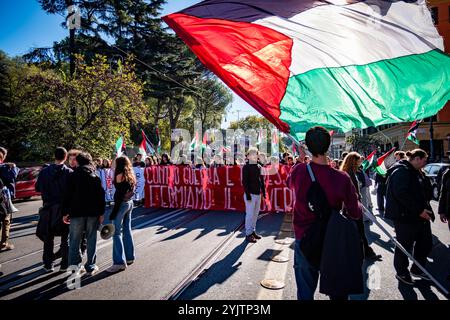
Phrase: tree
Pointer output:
(14, 100)
(252, 122)
(105, 102)
(212, 102)
(363, 143)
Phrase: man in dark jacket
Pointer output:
(444, 199)
(407, 204)
(84, 204)
(52, 184)
(254, 188)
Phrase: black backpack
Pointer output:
(312, 241)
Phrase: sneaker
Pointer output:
(250, 239)
(421, 275)
(257, 236)
(116, 268)
(49, 268)
(7, 246)
(81, 270)
(63, 269)
(93, 271)
(406, 279)
(129, 262)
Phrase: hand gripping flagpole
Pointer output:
(369, 215)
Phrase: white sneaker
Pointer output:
(93, 271)
(116, 268)
(81, 270)
(130, 262)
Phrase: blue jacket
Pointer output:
(8, 176)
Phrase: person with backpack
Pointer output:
(319, 191)
(52, 184)
(408, 206)
(84, 207)
(123, 244)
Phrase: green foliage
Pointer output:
(252, 122)
(363, 144)
(166, 87)
(89, 111)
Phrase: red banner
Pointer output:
(211, 189)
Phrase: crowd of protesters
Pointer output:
(329, 222)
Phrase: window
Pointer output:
(435, 15)
(434, 170)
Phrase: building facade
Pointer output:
(434, 132)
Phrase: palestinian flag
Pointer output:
(342, 64)
(369, 161)
(413, 131)
(146, 146)
(120, 147)
(159, 140)
(195, 143)
(385, 162)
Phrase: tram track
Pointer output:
(205, 264)
(7, 282)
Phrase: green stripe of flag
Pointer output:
(387, 91)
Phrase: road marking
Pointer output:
(276, 270)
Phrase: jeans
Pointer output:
(251, 213)
(123, 244)
(416, 238)
(306, 276)
(79, 225)
(49, 244)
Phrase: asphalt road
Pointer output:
(170, 244)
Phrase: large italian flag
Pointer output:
(341, 65)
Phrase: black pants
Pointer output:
(362, 233)
(49, 244)
(416, 239)
(381, 193)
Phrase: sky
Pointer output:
(24, 25)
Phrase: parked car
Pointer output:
(434, 171)
(25, 182)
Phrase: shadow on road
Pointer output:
(217, 274)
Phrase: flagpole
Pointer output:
(370, 215)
